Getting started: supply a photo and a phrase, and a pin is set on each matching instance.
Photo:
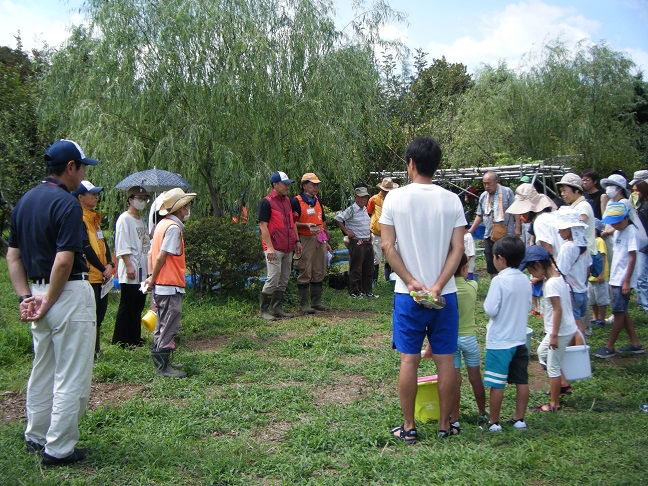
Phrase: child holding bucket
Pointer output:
(466, 344)
(507, 358)
(623, 278)
(559, 322)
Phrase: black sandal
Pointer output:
(454, 430)
(402, 434)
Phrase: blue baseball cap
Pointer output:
(534, 253)
(280, 177)
(63, 151)
(86, 187)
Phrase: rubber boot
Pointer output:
(175, 366)
(276, 303)
(265, 307)
(316, 296)
(303, 299)
(161, 360)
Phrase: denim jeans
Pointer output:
(642, 281)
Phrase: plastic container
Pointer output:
(426, 300)
(149, 320)
(576, 362)
(426, 406)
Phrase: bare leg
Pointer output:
(496, 397)
(630, 329)
(554, 389)
(474, 375)
(446, 385)
(407, 387)
(619, 323)
(454, 414)
(522, 400)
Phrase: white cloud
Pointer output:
(640, 58)
(37, 25)
(511, 33)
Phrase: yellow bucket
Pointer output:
(149, 320)
(426, 407)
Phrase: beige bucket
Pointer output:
(149, 320)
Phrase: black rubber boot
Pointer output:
(162, 359)
(316, 296)
(304, 306)
(265, 307)
(276, 303)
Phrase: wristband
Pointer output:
(23, 297)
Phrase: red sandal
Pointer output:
(547, 408)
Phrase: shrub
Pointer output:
(221, 253)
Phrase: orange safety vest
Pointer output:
(315, 218)
(174, 268)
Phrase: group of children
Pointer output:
(566, 284)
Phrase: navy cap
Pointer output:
(534, 253)
(86, 187)
(280, 177)
(63, 151)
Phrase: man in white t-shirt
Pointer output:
(429, 224)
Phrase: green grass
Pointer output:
(311, 400)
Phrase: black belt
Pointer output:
(363, 240)
(73, 277)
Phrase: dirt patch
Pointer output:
(208, 344)
(538, 380)
(349, 389)
(274, 432)
(12, 404)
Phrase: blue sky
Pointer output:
(473, 32)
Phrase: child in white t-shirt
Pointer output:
(559, 322)
(623, 278)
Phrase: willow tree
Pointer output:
(224, 92)
(567, 101)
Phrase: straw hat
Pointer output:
(174, 200)
(528, 199)
(387, 184)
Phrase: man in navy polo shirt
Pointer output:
(45, 248)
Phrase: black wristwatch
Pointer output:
(23, 297)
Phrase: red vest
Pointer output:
(281, 224)
(315, 218)
(174, 268)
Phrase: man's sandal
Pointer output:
(454, 430)
(407, 436)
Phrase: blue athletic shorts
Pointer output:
(536, 289)
(506, 366)
(412, 323)
(467, 345)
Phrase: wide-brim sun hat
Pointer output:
(567, 218)
(615, 212)
(524, 195)
(174, 200)
(616, 180)
(387, 184)
(571, 180)
(542, 202)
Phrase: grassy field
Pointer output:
(311, 400)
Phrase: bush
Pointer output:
(221, 253)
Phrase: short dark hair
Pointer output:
(58, 169)
(426, 155)
(511, 249)
(462, 262)
(590, 174)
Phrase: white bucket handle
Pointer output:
(583, 338)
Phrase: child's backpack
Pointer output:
(596, 268)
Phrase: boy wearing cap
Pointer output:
(45, 247)
(132, 244)
(279, 237)
(311, 227)
(374, 209)
(168, 277)
(623, 278)
(96, 250)
(354, 222)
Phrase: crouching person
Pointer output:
(168, 278)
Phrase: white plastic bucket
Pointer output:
(576, 363)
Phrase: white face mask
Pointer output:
(139, 205)
(612, 191)
(186, 216)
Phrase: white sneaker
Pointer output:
(494, 427)
(519, 424)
